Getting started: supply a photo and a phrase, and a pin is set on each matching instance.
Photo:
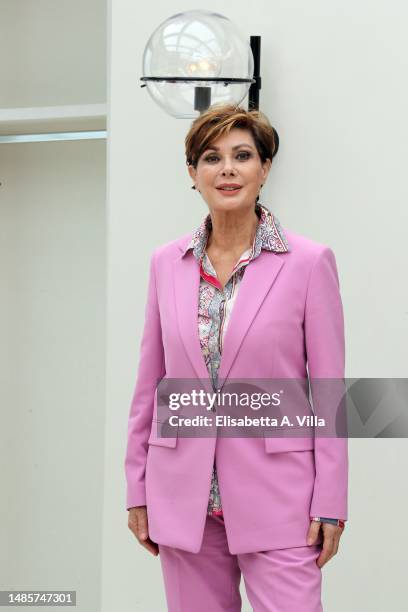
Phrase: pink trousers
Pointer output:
(286, 580)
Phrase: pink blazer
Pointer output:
(288, 315)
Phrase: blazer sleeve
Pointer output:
(150, 371)
(325, 347)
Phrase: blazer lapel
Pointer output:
(255, 284)
(186, 281)
(258, 279)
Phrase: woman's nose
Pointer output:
(228, 166)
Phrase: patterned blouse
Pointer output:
(216, 303)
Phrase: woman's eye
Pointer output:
(246, 154)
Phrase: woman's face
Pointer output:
(232, 158)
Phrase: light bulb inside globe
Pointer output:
(202, 68)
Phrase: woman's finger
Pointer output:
(142, 529)
(337, 540)
(150, 546)
(313, 532)
(326, 553)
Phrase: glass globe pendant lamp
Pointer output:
(198, 58)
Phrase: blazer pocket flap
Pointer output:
(274, 444)
(163, 434)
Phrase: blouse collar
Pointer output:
(269, 234)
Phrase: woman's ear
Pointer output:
(266, 166)
(192, 172)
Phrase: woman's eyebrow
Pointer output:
(243, 144)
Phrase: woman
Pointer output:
(238, 298)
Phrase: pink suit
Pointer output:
(288, 314)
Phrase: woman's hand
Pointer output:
(138, 524)
(331, 539)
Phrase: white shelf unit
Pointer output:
(33, 124)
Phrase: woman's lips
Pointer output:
(229, 192)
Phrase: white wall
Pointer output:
(334, 85)
(53, 52)
(52, 304)
(52, 363)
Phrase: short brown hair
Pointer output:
(219, 119)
